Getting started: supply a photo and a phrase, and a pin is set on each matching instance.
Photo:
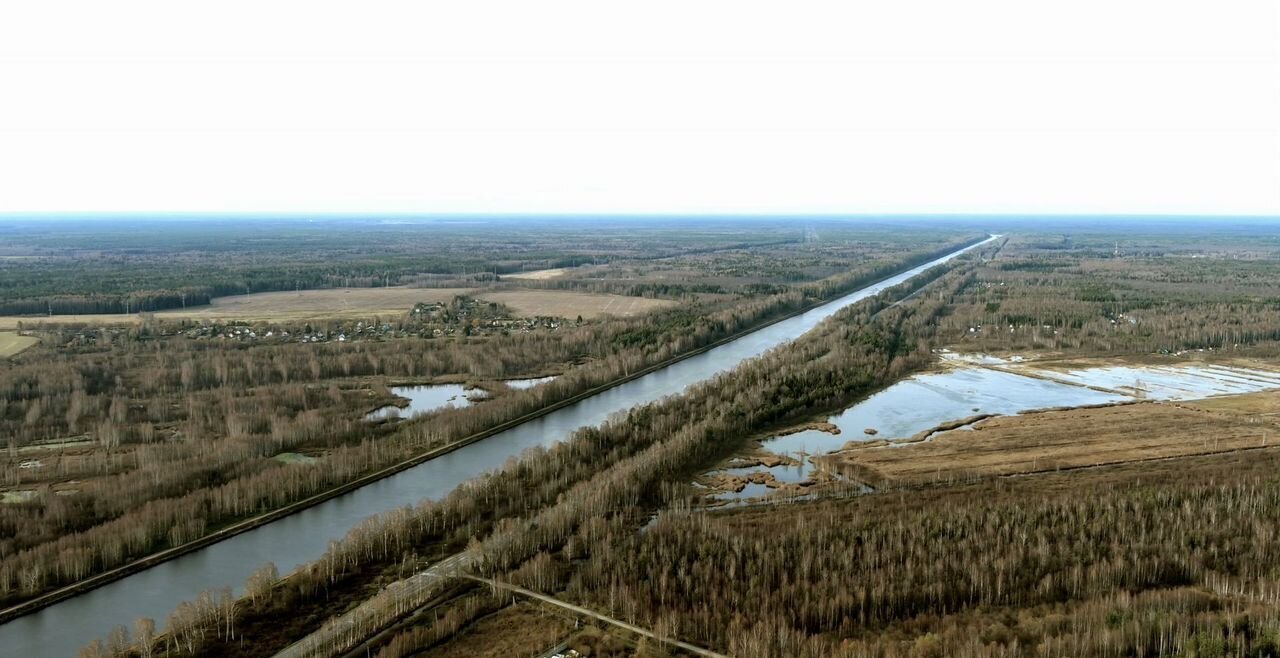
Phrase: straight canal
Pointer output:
(64, 627)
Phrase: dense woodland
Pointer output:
(1113, 294)
(1169, 559)
(181, 434)
(1151, 562)
(130, 265)
(633, 463)
(71, 266)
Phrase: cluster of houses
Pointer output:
(345, 332)
(464, 316)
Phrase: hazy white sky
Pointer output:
(1134, 106)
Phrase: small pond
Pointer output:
(427, 398)
(523, 384)
(430, 397)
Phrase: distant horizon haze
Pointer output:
(585, 216)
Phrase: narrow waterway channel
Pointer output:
(63, 628)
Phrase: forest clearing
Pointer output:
(537, 275)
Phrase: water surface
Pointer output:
(920, 403)
(523, 384)
(425, 399)
(925, 401)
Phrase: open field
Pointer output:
(1074, 438)
(362, 302)
(537, 275)
(567, 304)
(1266, 404)
(12, 343)
(318, 303)
(11, 322)
(73, 267)
(275, 306)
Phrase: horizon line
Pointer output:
(303, 214)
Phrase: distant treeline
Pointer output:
(113, 294)
(81, 267)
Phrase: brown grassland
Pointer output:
(1265, 404)
(537, 275)
(318, 303)
(341, 303)
(287, 306)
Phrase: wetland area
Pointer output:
(969, 390)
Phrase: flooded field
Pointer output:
(982, 385)
(523, 384)
(1053, 441)
(1171, 382)
(431, 397)
(425, 399)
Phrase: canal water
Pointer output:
(61, 629)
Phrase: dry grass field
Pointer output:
(1074, 438)
(1266, 404)
(567, 304)
(363, 302)
(278, 306)
(13, 321)
(318, 303)
(537, 275)
(11, 343)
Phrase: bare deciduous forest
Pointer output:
(140, 438)
(1172, 557)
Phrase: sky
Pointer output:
(690, 106)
